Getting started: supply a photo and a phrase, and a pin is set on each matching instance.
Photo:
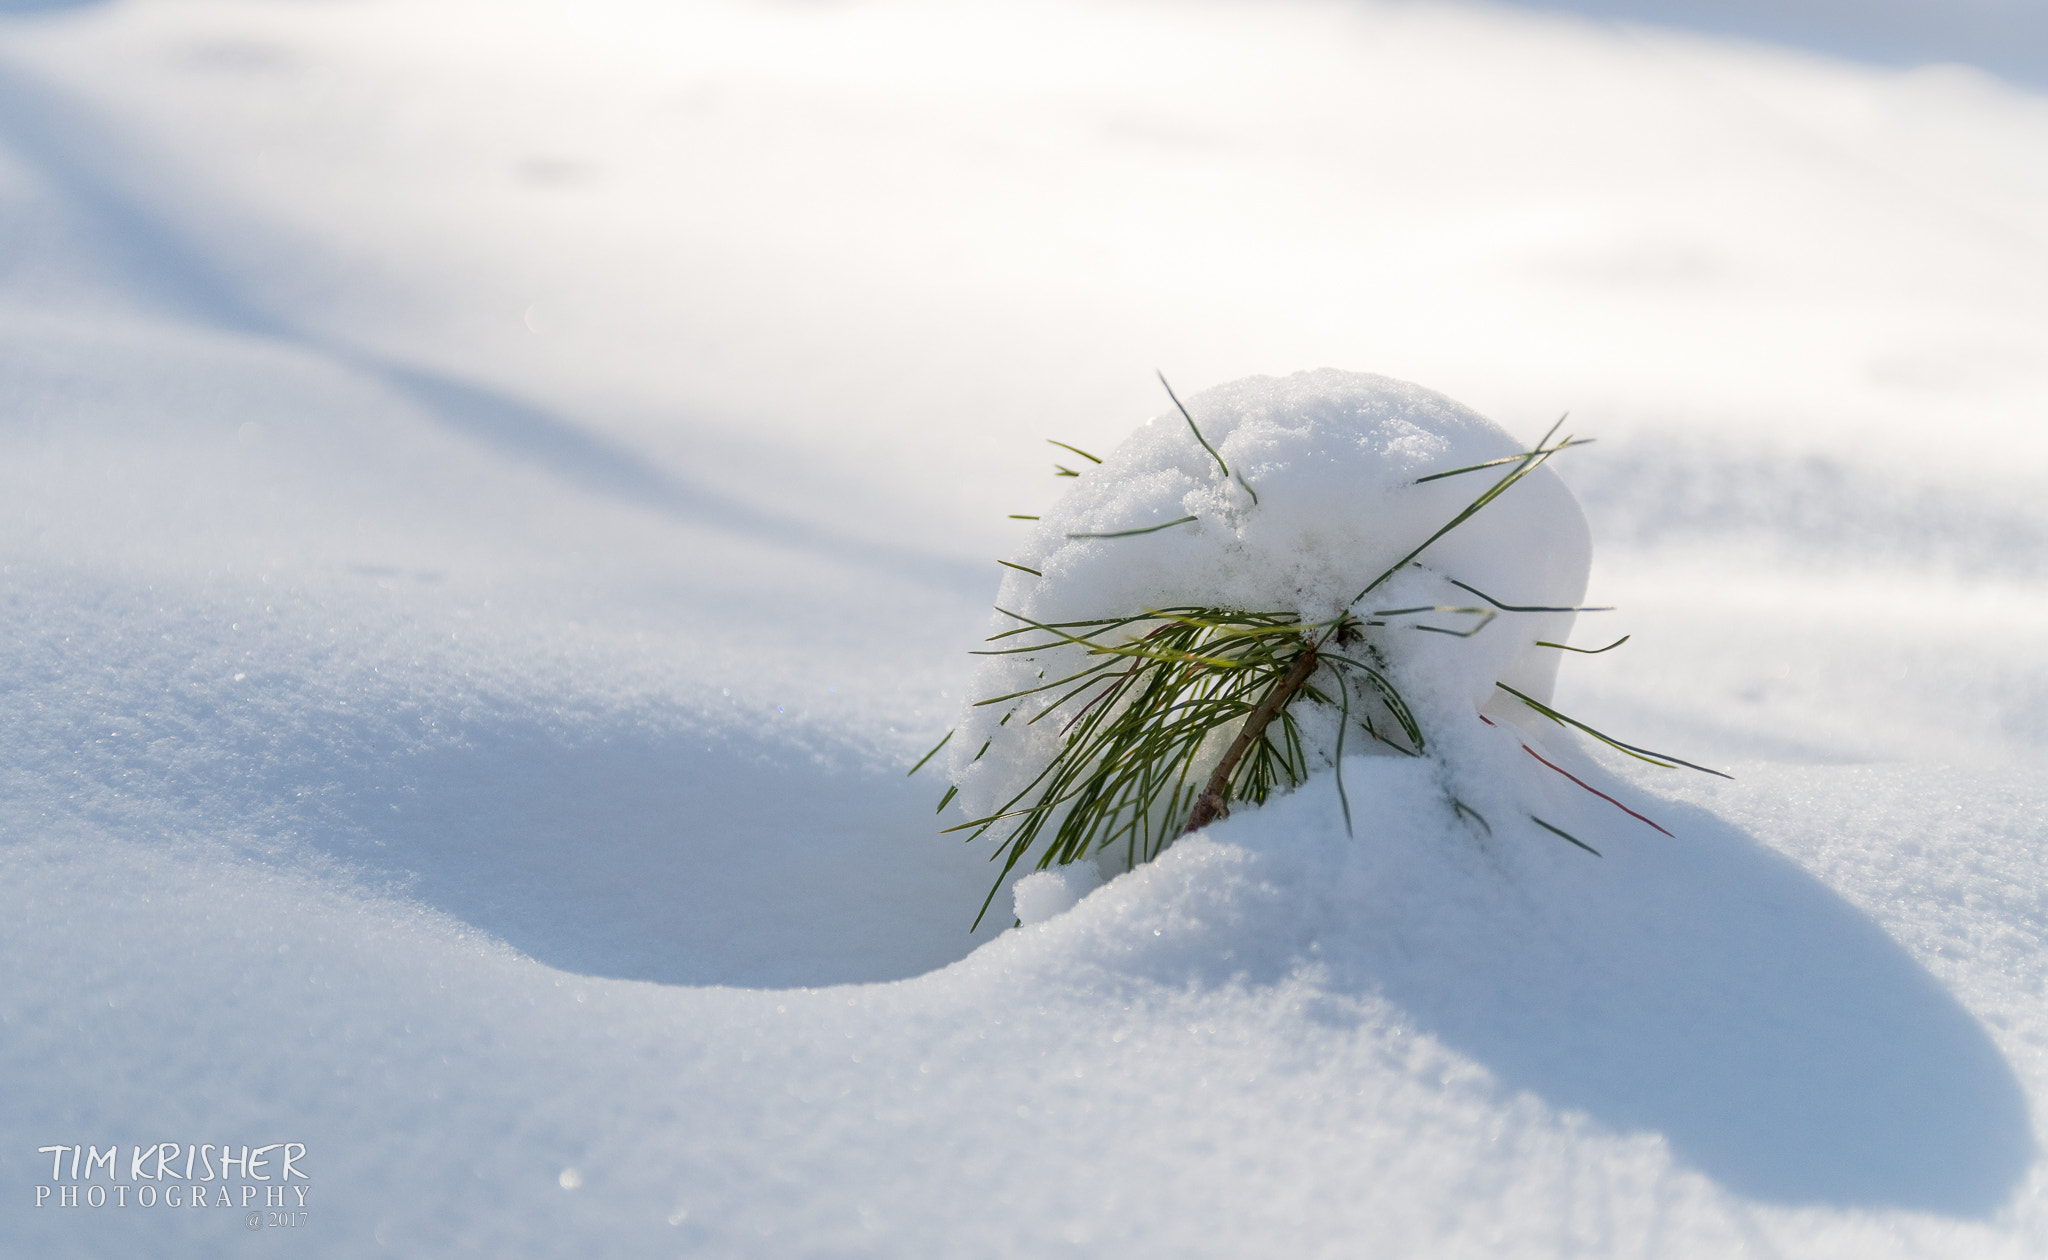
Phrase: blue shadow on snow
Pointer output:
(676, 856)
(1707, 989)
(68, 148)
(2007, 39)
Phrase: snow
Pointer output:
(1041, 895)
(494, 498)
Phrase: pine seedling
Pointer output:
(1170, 715)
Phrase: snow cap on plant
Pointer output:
(1333, 458)
(1358, 543)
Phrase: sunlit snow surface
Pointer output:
(495, 496)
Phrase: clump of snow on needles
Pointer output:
(1321, 499)
(1042, 894)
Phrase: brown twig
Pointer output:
(1214, 802)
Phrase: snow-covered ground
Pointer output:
(493, 496)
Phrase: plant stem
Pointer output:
(1214, 802)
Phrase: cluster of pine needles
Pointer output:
(1140, 722)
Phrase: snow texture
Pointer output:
(493, 498)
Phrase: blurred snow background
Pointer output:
(494, 495)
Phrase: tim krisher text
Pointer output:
(173, 1174)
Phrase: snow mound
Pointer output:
(1323, 495)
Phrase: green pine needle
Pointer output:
(1505, 459)
(928, 756)
(1142, 724)
(1665, 760)
(1525, 608)
(1559, 831)
(1077, 450)
(1197, 431)
(1466, 811)
(1566, 647)
(1133, 533)
(1527, 462)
